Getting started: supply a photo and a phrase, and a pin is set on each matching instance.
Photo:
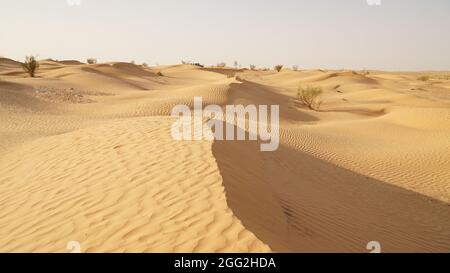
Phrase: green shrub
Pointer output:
(309, 96)
(278, 67)
(91, 61)
(31, 66)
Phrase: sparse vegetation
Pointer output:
(365, 72)
(145, 65)
(295, 67)
(440, 77)
(195, 64)
(31, 66)
(309, 96)
(424, 78)
(236, 64)
(221, 65)
(278, 68)
(91, 61)
(252, 67)
(159, 74)
(71, 95)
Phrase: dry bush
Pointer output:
(424, 78)
(252, 67)
(145, 65)
(31, 66)
(221, 65)
(278, 68)
(365, 72)
(91, 61)
(159, 74)
(197, 64)
(309, 96)
(295, 67)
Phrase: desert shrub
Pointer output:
(159, 74)
(221, 65)
(309, 96)
(278, 67)
(133, 62)
(253, 67)
(424, 78)
(190, 63)
(31, 66)
(295, 67)
(91, 61)
(145, 65)
(231, 75)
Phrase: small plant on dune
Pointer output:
(309, 96)
(278, 68)
(194, 64)
(91, 61)
(424, 78)
(231, 75)
(31, 66)
(159, 74)
(221, 65)
(295, 67)
(252, 67)
(145, 65)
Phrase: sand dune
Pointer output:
(86, 155)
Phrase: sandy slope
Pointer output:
(86, 155)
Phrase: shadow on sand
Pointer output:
(297, 203)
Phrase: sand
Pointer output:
(86, 155)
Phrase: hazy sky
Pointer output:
(397, 35)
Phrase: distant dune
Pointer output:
(86, 155)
